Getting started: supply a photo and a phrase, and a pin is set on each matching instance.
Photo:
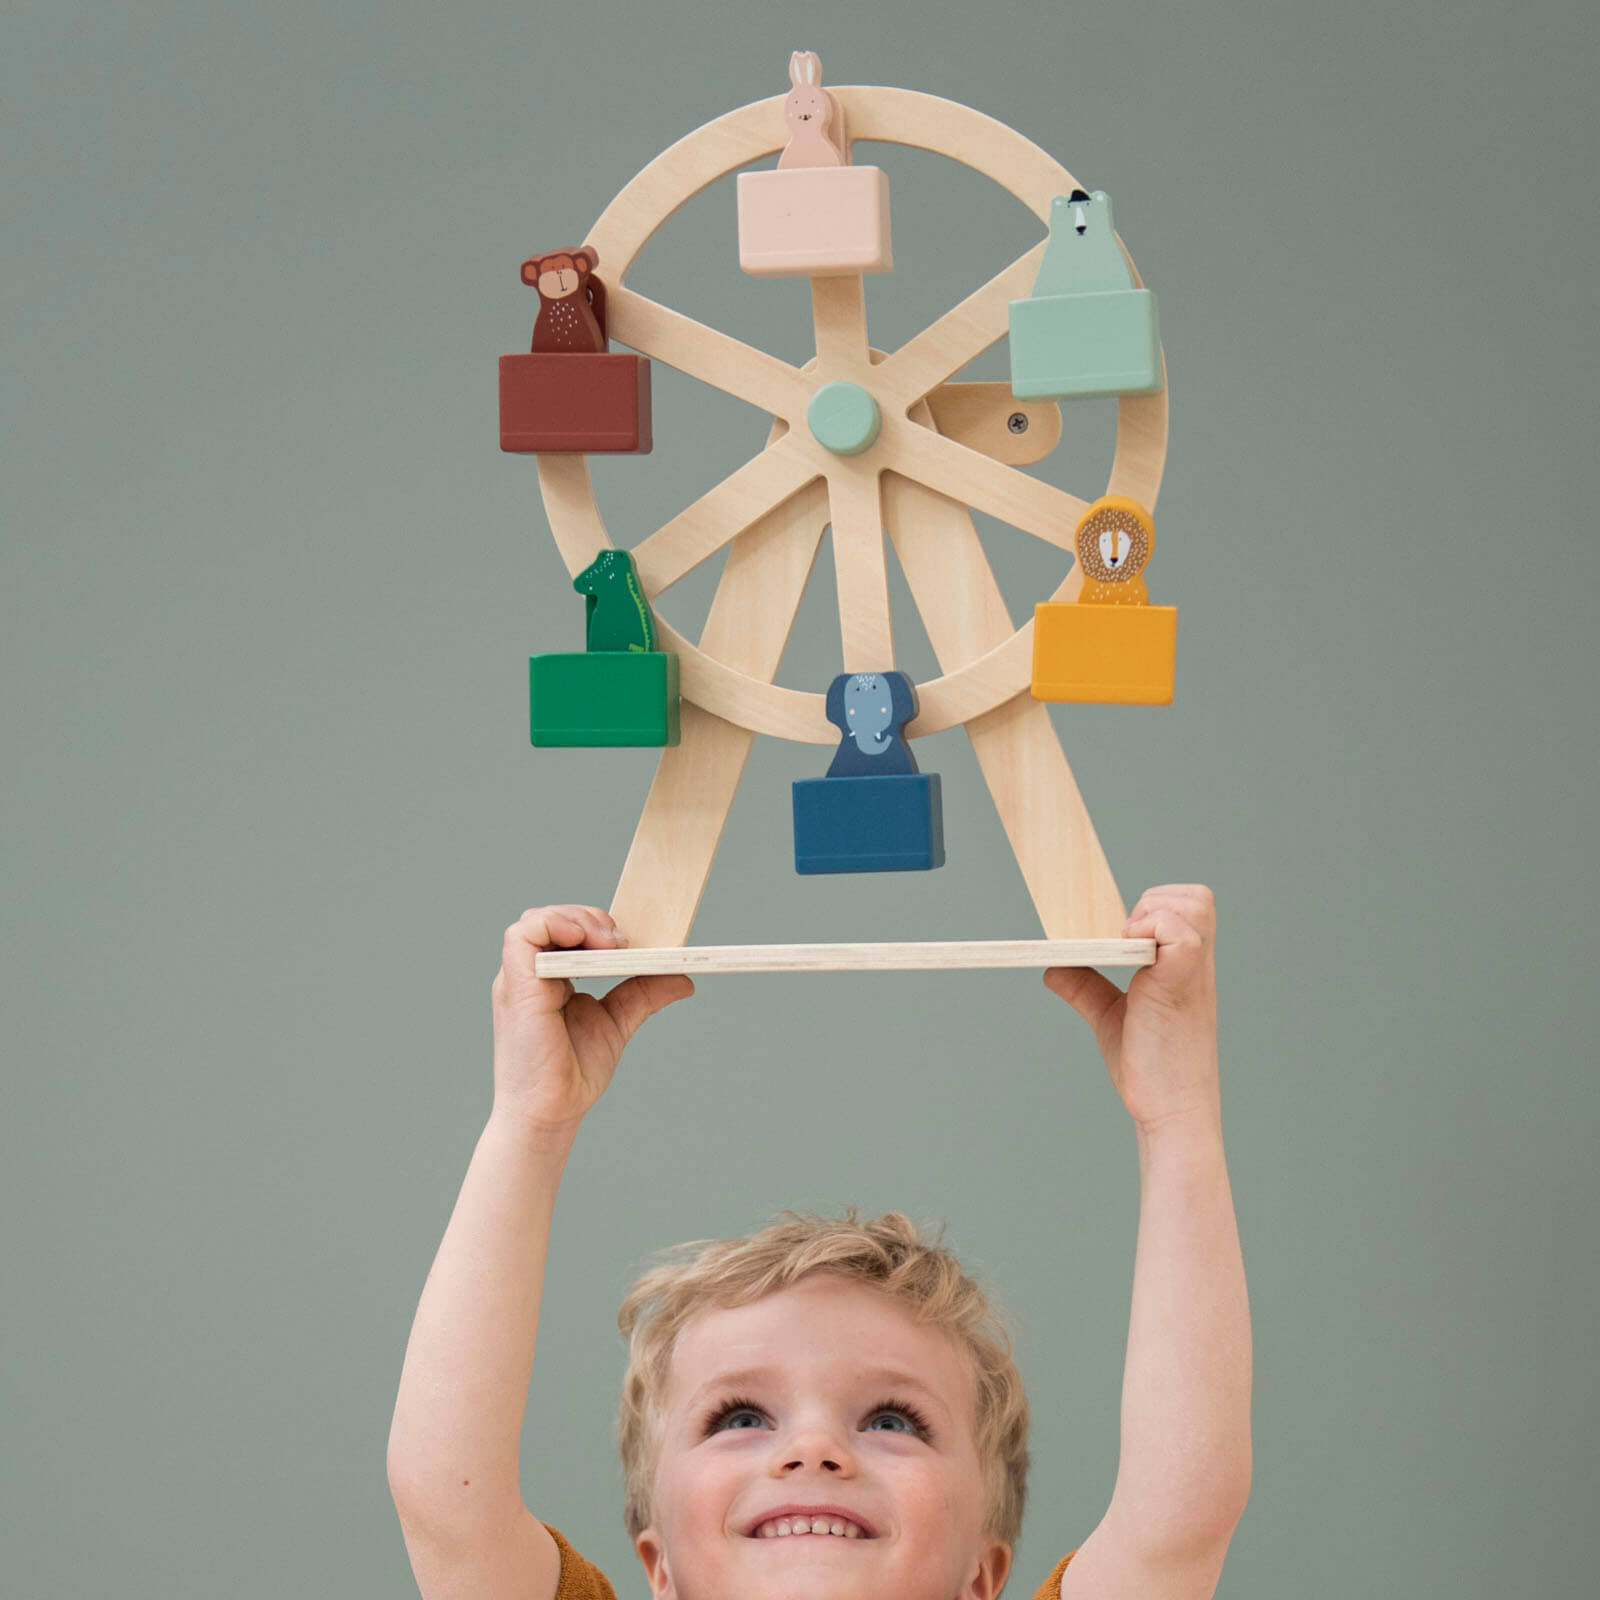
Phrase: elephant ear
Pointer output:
(835, 706)
(905, 699)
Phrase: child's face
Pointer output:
(815, 1368)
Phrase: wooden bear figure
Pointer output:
(617, 615)
(1085, 330)
(871, 709)
(572, 302)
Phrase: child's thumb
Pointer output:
(1091, 994)
(631, 1002)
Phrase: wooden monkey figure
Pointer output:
(572, 303)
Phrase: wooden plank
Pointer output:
(940, 955)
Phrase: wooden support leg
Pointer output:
(1022, 761)
(766, 574)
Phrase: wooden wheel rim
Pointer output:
(641, 207)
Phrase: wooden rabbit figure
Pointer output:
(813, 215)
(816, 126)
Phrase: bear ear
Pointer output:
(835, 705)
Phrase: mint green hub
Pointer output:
(1085, 330)
(844, 418)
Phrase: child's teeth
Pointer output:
(786, 1527)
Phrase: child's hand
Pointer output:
(554, 1048)
(1159, 1039)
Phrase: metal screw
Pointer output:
(1017, 422)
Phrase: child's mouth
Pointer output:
(810, 1527)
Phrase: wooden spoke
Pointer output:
(983, 483)
(1040, 807)
(839, 314)
(751, 617)
(857, 516)
(716, 358)
(950, 578)
(946, 346)
(720, 514)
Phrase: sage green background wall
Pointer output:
(269, 592)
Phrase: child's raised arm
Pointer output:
(457, 1429)
(1184, 1473)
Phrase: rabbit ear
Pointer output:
(813, 67)
(797, 67)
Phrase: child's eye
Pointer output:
(734, 1414)
(901, 1413)
(741, 1414)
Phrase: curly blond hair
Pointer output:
(886, 1253)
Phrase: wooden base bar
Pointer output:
(696, 959)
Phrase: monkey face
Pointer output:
(560, 275)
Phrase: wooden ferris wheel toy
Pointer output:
(865, 443)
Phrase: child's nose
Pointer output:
(819, 1448)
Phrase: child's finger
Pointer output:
(599, 931)
(539, 928)
(553, 928)
(1091, 994)
(1177, 938)
(1193, 901)
(635, 999)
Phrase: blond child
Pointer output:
(828, 1410)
